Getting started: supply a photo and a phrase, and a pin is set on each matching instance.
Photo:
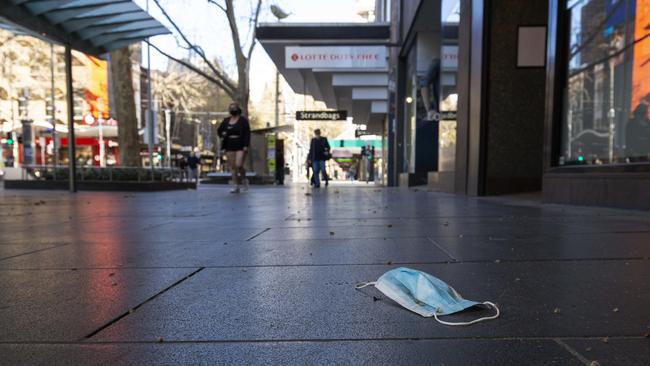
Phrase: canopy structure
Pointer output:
(94, 27)
(90, 26)
(322, 60)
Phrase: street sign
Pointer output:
(336, 57)
(448, 116)
(321, 115)
(358, 133)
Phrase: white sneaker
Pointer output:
(235, 190)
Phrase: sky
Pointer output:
(206, 25)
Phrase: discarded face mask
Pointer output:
(425, 294)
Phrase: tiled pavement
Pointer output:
(267, 277)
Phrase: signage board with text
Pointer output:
(321, 115)
(335, 57)
(449, 58)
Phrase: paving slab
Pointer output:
(613, 351)
(153, 233)
(290, 303)
(548, 247)
(421, 228)
(564, 277)
(67, 305)
(410, 352)
(233, 253)
(8, 251)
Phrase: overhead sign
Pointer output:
(448, 116)
(321, 115)
(449, 57)
(359, 133)
(335, 57)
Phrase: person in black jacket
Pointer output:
(235, 136)
(193, 163)
(319, 152)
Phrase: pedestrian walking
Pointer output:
(182, 165)
(310, 177)
(319, 153)
(235, 136)
(366, 155)
(193, 163)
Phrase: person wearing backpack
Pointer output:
(319, 153)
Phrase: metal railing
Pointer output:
(101, 174)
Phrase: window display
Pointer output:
(605, 118)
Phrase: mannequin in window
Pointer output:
(430, 90)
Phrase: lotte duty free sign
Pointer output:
(335, 57)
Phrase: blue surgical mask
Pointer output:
(425, 294)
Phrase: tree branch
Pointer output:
(230, 91)
(257, 17)
(232, 22)
(219, 5)
(222, 76)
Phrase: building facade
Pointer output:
(503, 97)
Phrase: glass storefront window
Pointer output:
(607, 95)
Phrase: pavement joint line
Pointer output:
(34, 251)
(442, 249)
(135, 308)
(469, 236)
(258, 234)
(328, 340)
(148, 227)
(445, 262)
(572, 351)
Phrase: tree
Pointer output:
(125, 107)
(238, 90)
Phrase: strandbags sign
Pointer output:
(336, 57)
(321, 115)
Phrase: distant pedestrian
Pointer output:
(182, 165)
(310, 177)
(319, 153)
(235, 133)
(367, 156)
(353, 172)
(193, 163)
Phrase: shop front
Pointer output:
(598, 126)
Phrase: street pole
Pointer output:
(150, 121)
(72, 163)
(100, 120)
(55, 136)
(168, 136)
(277, 97)
(28, 131)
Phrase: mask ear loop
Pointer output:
(364, 284)
(473, 321)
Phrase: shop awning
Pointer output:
(91, 26)
(361, 90)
